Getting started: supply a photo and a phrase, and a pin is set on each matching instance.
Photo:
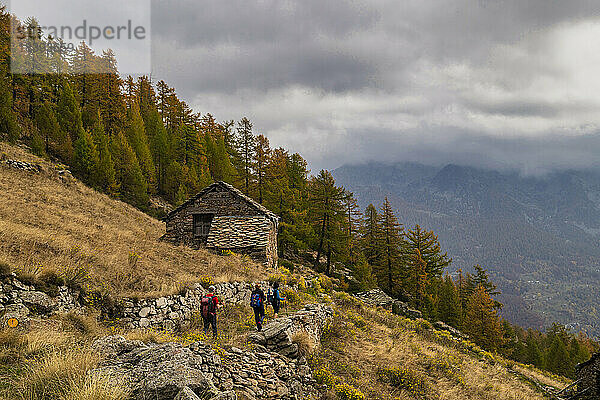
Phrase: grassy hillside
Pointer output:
(51, 224)
(365, 353)
(48, 224)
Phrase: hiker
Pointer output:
(208, 307)
(257, 302)
(275, 299)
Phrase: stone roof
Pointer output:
(259, 207)
(238, 231)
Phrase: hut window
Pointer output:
(202, 224)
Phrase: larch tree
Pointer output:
(327, 215)
(371, 236)
(245, 144)
(353, 223)
(128, 174)
(261, 162)
(388, 269)
(136, 135)
(85, 158)
(483, 322)
(449, 307)
(429, 247)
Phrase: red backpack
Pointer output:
(207, 306)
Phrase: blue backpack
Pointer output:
(255, 300)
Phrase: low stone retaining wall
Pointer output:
(278, 334)
(171, 312)
(169, 370)
(378, 298)
(19, 300)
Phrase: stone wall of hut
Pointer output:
(260, 243)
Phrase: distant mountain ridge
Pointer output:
(538, 236)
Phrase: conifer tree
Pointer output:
(483, 322)
(159, 147)
(353, 222)
(388, 270)
(557, 358)
(327, 214)
(534, 355)
(105, 172)
(450, 309)
(8, 121)
(136, 135)
(37, 143)
(371, 236)
(429, 247)
(416, 279)
(363, 275)
(245, 144)
(68, 114)
(47, 124)
(219, 165)
(85, 158)
(261, 162)
(128, 174)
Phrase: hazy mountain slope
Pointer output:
(537, 235)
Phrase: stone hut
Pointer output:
(588, 378)
(221, 217)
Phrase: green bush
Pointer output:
(348, 392)
(405, 379)
(324, 376)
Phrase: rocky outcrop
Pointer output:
(19, 300)
(175, 311)
(170, 370)
(277, 336)
(24, 166)
(378, 298)
(442, 326)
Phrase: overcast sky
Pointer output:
(497, 83)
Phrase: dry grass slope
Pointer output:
(47, 224)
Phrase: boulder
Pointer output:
(17, 311)
(186, 394)
(156, 371)
(113, 346)
(376, 297)
(37, 301)
(401, 308)
(442, 326)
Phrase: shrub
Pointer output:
(286, 264)
(345, 391)
(405, 379)
(446, 363)
(326, 283)
(28, 274)
(206, 281)
(324, 376)
(345, 300)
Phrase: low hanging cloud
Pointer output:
(495, 83)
